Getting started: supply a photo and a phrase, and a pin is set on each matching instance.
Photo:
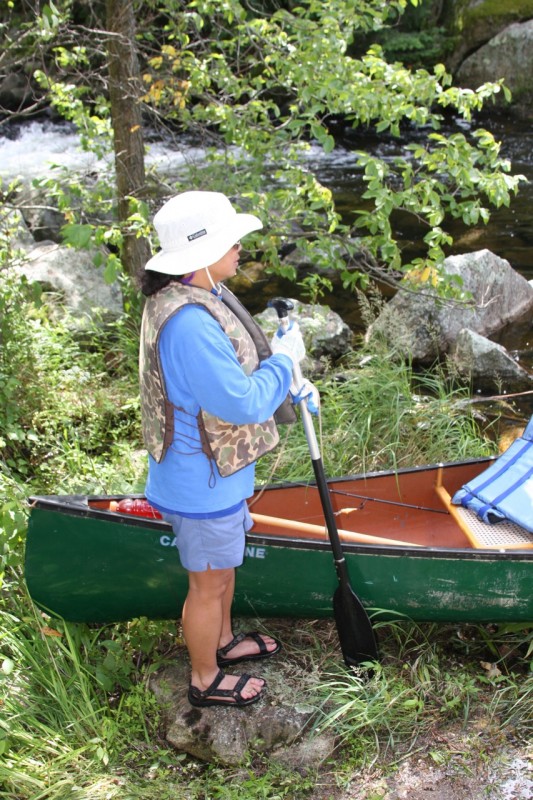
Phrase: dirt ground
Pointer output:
(453, 770)
(458, 760)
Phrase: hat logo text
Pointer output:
(197, 235)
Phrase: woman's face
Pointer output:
(226, 267)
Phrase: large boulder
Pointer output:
(278, 725)
(325, 334)
(423, 327)
(15, 91)
(488, 365)
(41, 214)
(13, 226)
(507, 55)
(474, 22)
(73, 286)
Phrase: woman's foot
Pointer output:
(249, 646)
(229, 690)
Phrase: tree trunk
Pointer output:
(124, 93)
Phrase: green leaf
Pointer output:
(78, 236)
(112, 269)
(328, 144)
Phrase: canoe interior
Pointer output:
(401, 506)
(89, 564)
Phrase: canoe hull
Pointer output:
(95, 566)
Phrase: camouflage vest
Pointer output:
(232, 447)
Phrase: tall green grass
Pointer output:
(377, 413)
(52, 713)
(473, 678)
(75, 709)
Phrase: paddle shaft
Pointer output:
(322, 486)
(356, 635)
(354, 628)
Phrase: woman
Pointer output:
(207, 409)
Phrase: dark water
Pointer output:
(509, 232)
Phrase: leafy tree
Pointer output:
(267, 85)
(24, 37)
(127, 125)
(256, 85)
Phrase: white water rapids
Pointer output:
(36, 149)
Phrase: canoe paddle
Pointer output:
(356, 635)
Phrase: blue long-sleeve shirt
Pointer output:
(201, 370)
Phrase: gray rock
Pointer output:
(324, 332)
(226, 734)
(14, 226)
(41, 214)
(488, 365)
(72, 283)
(15, 90)
(507, 55)
(473, 23)
(423, 327)
(309, 753)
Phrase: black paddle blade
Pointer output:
(356, 635)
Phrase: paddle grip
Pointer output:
(282, 307)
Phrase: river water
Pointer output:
(509, 233)
(29, 150)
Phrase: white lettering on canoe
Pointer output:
(255, 552)
(251, 551)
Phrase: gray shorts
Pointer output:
(217, 542)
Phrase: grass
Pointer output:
(77, 721)
(378, 414)
(432, 675)
(52, 712)
(64, 736)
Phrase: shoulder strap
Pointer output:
(285, 413)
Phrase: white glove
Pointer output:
(289, 343)
(308, 392)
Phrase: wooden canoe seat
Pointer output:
(289, 527)
(482, 535)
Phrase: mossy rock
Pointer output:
(474, 22)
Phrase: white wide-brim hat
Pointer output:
(195, 230)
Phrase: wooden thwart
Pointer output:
(287, 527)
(482, 535)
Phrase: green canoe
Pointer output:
(408, 554)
